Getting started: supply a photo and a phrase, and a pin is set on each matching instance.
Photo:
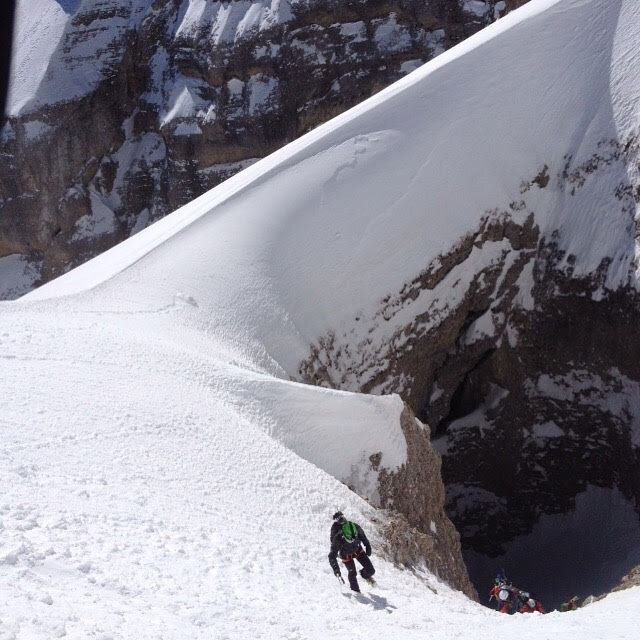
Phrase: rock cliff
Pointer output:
(527, 372)
(419, 531)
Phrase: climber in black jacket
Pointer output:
(347, 539)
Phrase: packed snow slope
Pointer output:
(163, 477)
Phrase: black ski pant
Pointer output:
(366, 572)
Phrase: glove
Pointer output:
(336, 573)
(368, 551)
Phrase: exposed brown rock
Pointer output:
(420, 533)
(632, 579)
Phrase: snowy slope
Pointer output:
(57, 58)
(392, 159)
(38, 28)
(141, 501)
(185, 94)
(164, 478)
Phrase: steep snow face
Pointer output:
(39, 26)
(147, 491)
(60, 57)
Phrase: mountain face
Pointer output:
(467, 238)
(518, 344)
(121, 111)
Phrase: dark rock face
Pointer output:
(527, 371)
(181, 96)
(629, 580)
(414, 495)
(557, 416)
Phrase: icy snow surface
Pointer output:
(162, 476)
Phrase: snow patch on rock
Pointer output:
(102, 220)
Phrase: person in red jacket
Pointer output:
(502, 592)
(531, 605)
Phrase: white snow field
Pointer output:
(161, 475)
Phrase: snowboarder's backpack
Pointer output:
(349, 531)
(570, 605)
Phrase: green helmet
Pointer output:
(349, 530)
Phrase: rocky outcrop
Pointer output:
(631, 579)
(147, 104)
(407, 362)
(418, 531)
